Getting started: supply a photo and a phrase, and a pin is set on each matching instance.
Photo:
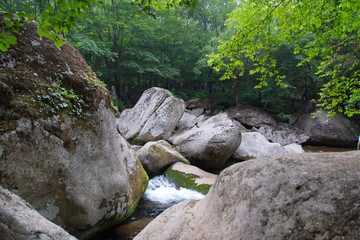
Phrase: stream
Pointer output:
(160, 195)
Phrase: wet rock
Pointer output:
(254, 144)
(338, 131)
(251, 116)
(157, 156)
(284, 134)
(154, 117)
(302, 196)
(191, 177)
(211, 144)
(20, 221)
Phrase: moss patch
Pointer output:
(28, 80)
(186, 180)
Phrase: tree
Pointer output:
(59, 16)
(326, 31)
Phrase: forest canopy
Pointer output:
(325, 33)
(273, 54)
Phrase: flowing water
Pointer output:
(160, 195)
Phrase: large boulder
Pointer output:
(303, 196)
(20, 221)
(337, 131)
(188, 121)
(251, 116)
(154, 117)
(59, 148)
(190, 177)
(283, 133)
(254, 144)
(157, 156)
(211, 144)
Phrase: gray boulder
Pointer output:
(20, 221)
(251, 116)
(303, 196)
(211, 144)
(153, 118)
(197, 112)
(283, 133)
(59, 148)
(338, 131)
(294, 148)
(157, 156)
(254, 144)
(188, 121)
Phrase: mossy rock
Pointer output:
(157, 156)
(191, 177)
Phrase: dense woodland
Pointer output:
(272, 54)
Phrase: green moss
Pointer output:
(136, 141)
(186, 180)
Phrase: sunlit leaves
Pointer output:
(13, 23)
(149, 6)
(330, 30)
(58, 16)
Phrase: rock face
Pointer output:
(20, 221)
(157, 156)
(254, 144)
(307, 196)
(294, 148)
(251, 116)
(59, 148)
(153, 118)
(188, 121)
(338, 131)
(211, 144)
(201, 103)
(191, 177)
(284, 134)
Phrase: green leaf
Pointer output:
(12, 40)
(8, 23)
(3, 48)
(9, 15)
(40, 31)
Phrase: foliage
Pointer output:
(324, 32)
(118, 104)
(146, 5)
(54, 17)
(57, 98)
(59, 16)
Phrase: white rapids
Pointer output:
(161, 190)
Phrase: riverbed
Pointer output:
(162, 194)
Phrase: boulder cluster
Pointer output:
(67, 169)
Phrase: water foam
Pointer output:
(161, 190)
